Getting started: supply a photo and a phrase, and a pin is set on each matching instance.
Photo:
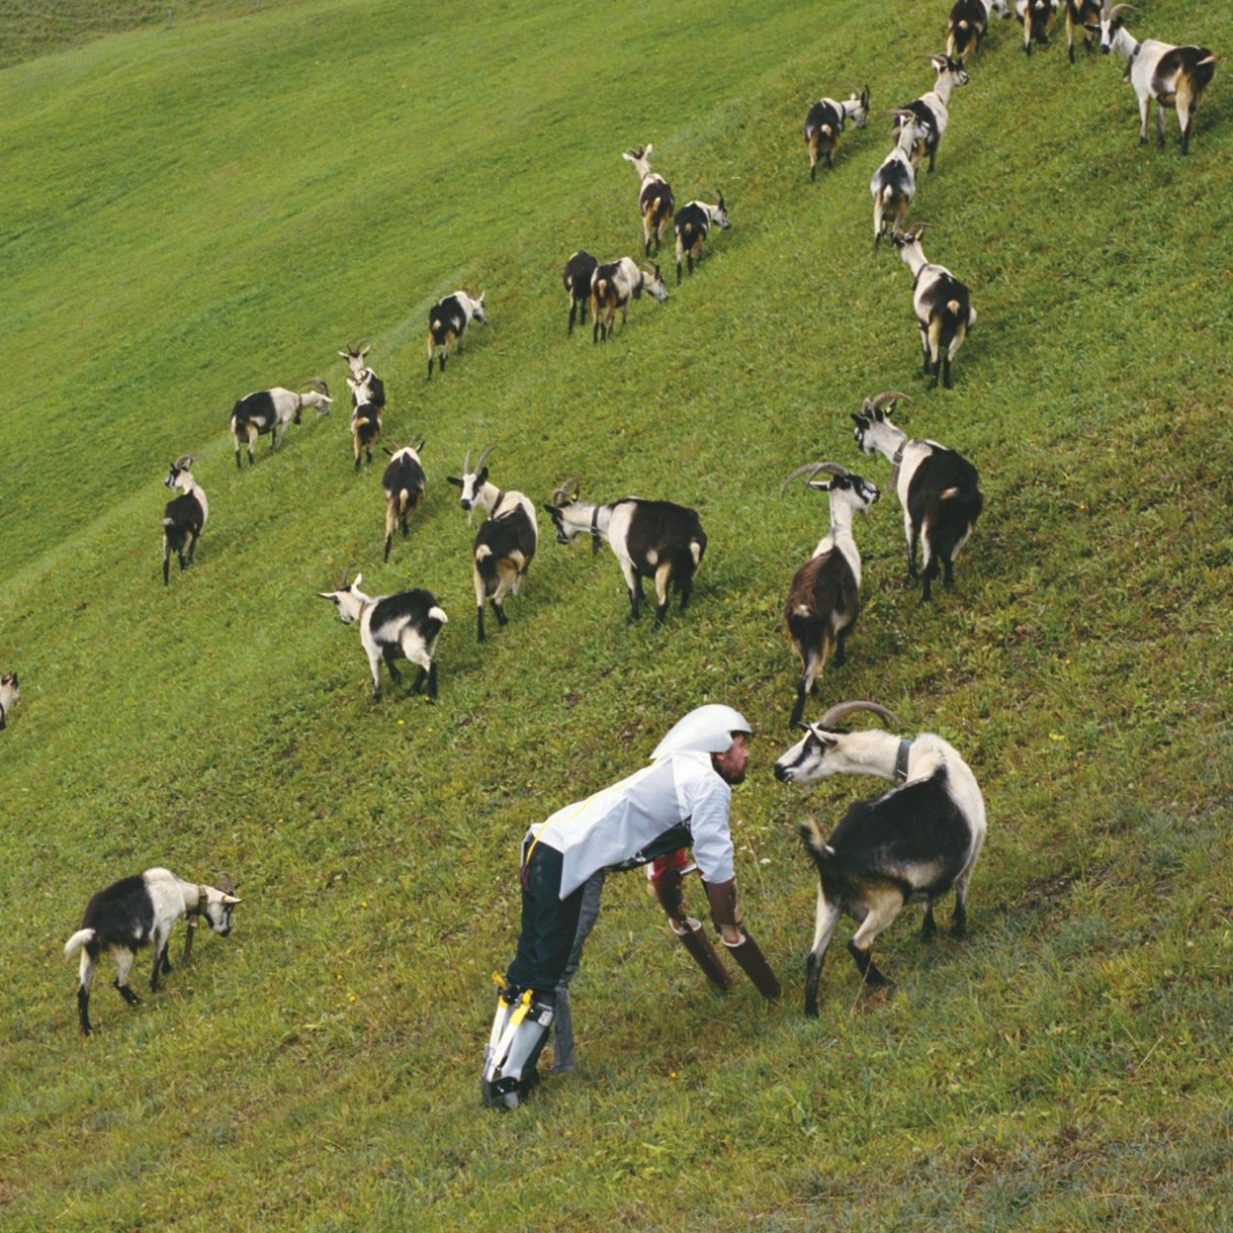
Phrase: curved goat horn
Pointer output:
(878, 401)
(342, 582)
(561, 494)
(831, 468)
(483, 458)
(320, 384)
(184, 462)
(1118, 9)
(841, 710)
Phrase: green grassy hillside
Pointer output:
(199, 210)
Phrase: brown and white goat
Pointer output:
(655, 200)
(183, 518)
(824, 599)
(577, 279)
(273, 411)
(692, 225)
(505, 542)
(967, 24)
(1082, 15)
(825, 121)
(613, 285)
(932, 109)
(1037, 18)
(942, 305)
(1172, 76)
(403, 483)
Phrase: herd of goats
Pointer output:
(874, 861)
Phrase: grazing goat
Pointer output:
(1037, 18)
(448, 319)
(894, 183)
(825, 122)
(917, 841)
(504, 544)
(403, 481)
(1173, 76)
(393, 627)
(692, 225)
(9, 693)
(932, 109)
(136, 912)
(655, 200)
(824, 599)
(1082, 15)
(613, 286)
(937, 488)
(968, 23)
(273, 411)
(184, 518)
(942, 305)
(577, 279)
(650, 539)
(360, 374)
(365, 418)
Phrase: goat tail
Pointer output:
(404, 495)
(815, 842)
(83, 937)
(167, 522)
(953, 307)
(436, 613)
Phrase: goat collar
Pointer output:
(901, 761)
(898, 458)
(595, 540)
(202, 896)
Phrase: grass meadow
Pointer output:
(193, 209)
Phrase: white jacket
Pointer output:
(676, 802)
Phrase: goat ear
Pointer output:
(453, 479)
(325, 594)
(550, 509)
(344, 355)
(355, 582)
(856, 419)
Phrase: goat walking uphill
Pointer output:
(505, 542)
(1172, 76)
(655, 200)
(403, 483)
(577, 279)
(613, 286)
(824, 599)
(942, 305)
(1037, 18)
(184, 518)
(650, 539)
(393, 627)
(137, 912)
(918, 841)
(448, 320)
(967, 25)
(824, 122)
(273, 411)
(692, 225)
(893, 185)
(932, 109)
(937, 488)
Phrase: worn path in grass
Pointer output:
(206, 209)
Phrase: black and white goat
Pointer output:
(825, 122)
(365, 418)
(968, 23)
(918, 841)
(448, 319)
(359, 373)
(1037, 18)
(824, 599)
(937, 488)
(393, 627)
(273, 411)
(650, 539)
(403, 482)
(942, 305)
(655, 200)
(577, 279)
(692, 225)
(1082, 15)
(184, 517)
(893, 185)
(9, 693)
(137, 912)
(505, 542)
(932, 109)
(613, 285)
(1173, 76)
